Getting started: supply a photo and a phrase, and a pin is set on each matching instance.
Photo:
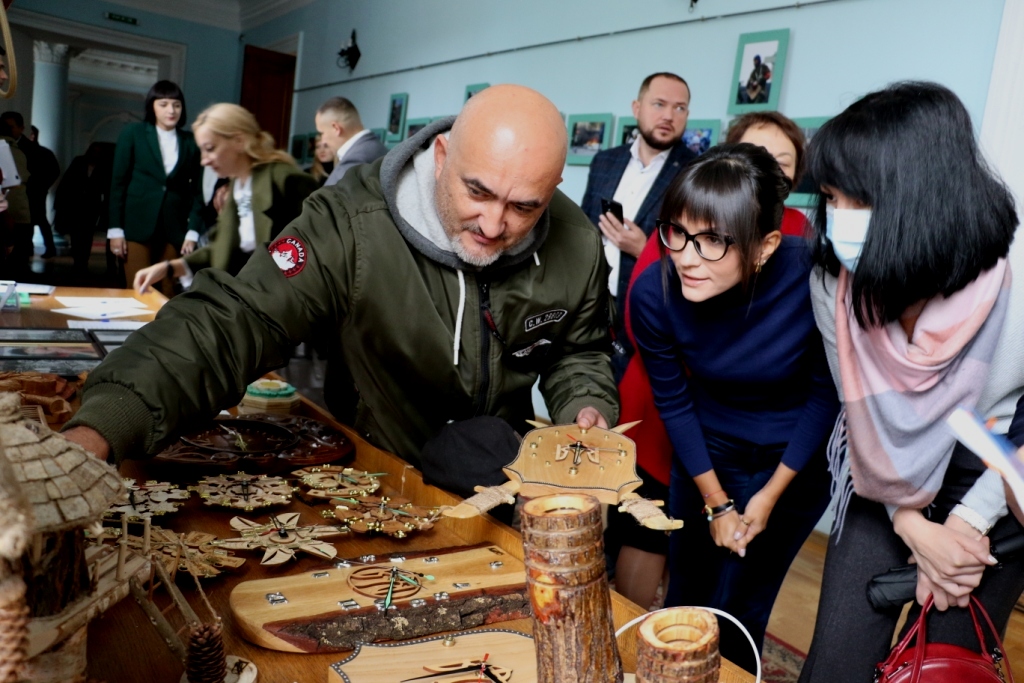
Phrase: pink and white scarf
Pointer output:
(898, 392)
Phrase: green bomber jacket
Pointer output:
(348, 275)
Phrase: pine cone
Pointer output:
(13, 639)
(206, 661)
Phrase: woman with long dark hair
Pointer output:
(725, 330)
(912, 294)
(154, 191)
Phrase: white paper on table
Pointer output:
(94, 313)
(30, 288)
(114, 325)
(113, 302)
(995, 450)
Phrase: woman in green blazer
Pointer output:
(156, 189)
(266, 193)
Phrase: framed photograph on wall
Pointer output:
(701, 134)
(474, 89)
(806, 193)
(626, 131)
(413, 126)
(759, 70)
(588, 135)
(397, 108)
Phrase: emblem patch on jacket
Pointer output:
(289, 253)
(552, 316)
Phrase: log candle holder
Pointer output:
(568, 588)
(678, 645)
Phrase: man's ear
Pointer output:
(440, 155)
(636, 109)
(339, 130)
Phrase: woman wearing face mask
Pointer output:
(725, 330)
(913, 296)
(267, 191)
(155, 199)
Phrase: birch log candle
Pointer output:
(678, 645)
(568, 588)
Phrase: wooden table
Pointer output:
(125, 648)
(40, 314)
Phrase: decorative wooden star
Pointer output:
(151, 499)
(282, 537)
(393, 516)
(244, 491)
(193, 552)
(332, 481)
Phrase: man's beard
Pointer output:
(654, 143)
(472, 258)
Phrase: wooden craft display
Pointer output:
(243, 491)
(678, 645)
(568, 459)
(510, 658)
(392, 597)
(281, 538)
(321, 483)
(152, 498)
(391, 515)
(565, 577)
(193, 552)
(48, 391)
(267, 443)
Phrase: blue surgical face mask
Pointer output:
(847, 229)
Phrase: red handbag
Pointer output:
(926, 662)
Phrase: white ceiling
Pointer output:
(235, 15)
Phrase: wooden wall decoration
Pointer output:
(152, 498)
(268, 443)
(396, 517)
(430, 592)
(243, 491)
(497, 654)
(192, 552)
(563, 548)
(324, 482)
(281, 538)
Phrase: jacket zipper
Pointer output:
(485, 346)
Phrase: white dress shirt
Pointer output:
(635, 184)
(246, 227)
(168, 140)
(343, 150)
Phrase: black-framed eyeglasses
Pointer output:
(710, 246)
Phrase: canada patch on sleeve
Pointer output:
(289, 253)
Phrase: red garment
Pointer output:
(653, 447)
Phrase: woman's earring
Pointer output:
(757, 268)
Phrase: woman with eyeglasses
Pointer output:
(725, 329)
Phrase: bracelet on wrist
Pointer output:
(712, 512)
(708, 495)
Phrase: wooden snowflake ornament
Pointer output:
(244, 491)
(396, 517)
(281, 538)
(150, 499)
(332, 481)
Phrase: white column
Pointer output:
(49, 95)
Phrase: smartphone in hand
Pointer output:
(614, 208)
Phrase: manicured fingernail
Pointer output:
(742, 552)
(737, 536)
(992, 560)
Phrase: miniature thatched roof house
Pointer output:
(68, 489)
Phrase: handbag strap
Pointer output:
(1007, 670)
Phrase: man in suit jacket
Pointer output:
(44, 169)
(636, 174)
(337, 121)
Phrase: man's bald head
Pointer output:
(498, 170)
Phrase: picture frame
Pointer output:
(588, 135)
(398, 105)
(702, 134)
(805, 195)
(57, 351)
(626, 131)
(413, 126)
(759, 71)
(18, 334)
(105, 337)
(474, 89)
(53, 366)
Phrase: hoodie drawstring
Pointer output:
(458, 316)
(536, 259)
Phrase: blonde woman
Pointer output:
(323, 161)
(267, 191)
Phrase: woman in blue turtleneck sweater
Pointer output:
(726, 332)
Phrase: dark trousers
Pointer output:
(705, 575)
(850, 637)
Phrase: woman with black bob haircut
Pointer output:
(912, 294)
(156, 188)
(738, 371)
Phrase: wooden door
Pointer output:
(268, 82)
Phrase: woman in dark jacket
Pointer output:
(155, 190)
